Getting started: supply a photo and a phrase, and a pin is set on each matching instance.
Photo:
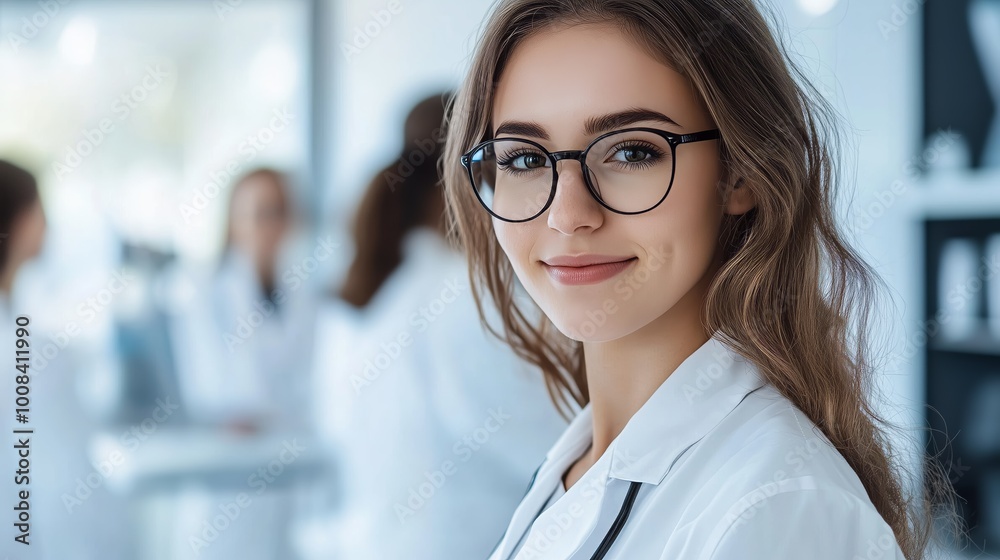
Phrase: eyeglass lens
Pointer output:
(629, 172)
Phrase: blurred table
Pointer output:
(168, 473)
(174, 457)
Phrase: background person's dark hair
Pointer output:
(18, 191)
(405, 194)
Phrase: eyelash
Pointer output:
(654, 152)
(505, 163)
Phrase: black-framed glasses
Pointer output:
(628, 171)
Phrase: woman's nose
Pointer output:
(573, 207)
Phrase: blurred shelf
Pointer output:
(961, 369)
(947, 195)
(981, 342)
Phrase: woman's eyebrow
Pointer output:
(612, 121)
(522, 128)
(593, 125)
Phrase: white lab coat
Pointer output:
(8, 454)
(729, 470)
(239, 357)
(434, 425)
(73, 515)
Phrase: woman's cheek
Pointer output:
(515, 240)
(503, 238)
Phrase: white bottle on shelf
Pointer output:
(992, 266)
(958, 296)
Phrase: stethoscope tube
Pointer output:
(613, 532)
(616, 527)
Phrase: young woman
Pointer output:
(715, 337)
(247, 337)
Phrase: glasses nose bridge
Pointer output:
(567, 154)
(578, 155)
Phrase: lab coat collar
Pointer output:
(694, 399)
(703, 389)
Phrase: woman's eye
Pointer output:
(632, 155)
(527, 161)
(531, 161)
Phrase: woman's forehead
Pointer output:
(561, 77)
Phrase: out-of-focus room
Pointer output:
(208, 243)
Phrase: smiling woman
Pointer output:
(704, 183)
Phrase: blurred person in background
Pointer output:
(243, 358)
(22, 226)
(252, 327)
(69, 519)
(434, 427)
(22, 230)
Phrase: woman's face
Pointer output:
(259, 221)
(556, 80)
(28, 233)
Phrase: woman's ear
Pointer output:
(740, 199)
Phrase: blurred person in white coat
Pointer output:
(249, 327)
(22, 231)
(435, 427)
(244, 345)
(69, 519)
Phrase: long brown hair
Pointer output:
(400, 197)
(792, 296)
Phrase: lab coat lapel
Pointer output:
(605, 515)
(547, 477)
(566, 449)
(562, 529)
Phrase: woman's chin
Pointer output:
(590, 328)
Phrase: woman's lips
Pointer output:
(588, 274)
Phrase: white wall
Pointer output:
(866, 58)
(878, 73)
(423, 47)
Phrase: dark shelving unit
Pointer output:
(958, 373)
